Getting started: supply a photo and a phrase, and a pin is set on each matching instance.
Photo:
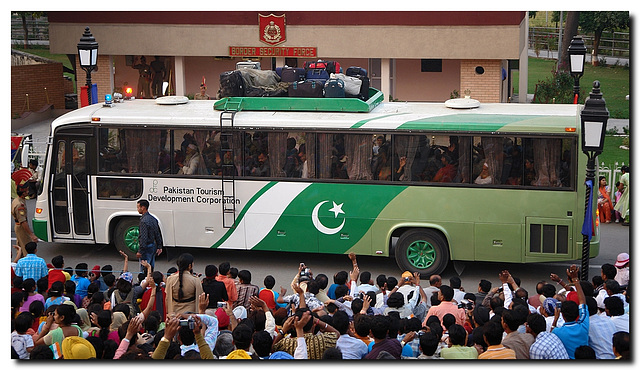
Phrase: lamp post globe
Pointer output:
(577, 52)
(593, 124)
(88, 56)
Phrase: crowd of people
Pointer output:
(218, 312)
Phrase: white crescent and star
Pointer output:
(337, 209)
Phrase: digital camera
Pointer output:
(188, 323)
(466, 304)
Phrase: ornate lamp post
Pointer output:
(88, 57)
(577, 51)
(593, 123)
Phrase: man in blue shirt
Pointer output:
(150, 237)
(31, 266)
(575, 331)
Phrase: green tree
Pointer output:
(598, 22)
(23, 16)
(570, 30)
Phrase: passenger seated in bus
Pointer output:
(376, 166)
(448, 172)
(262, 169)
(164, 161)
(339, 168)
(529, 172)
(193, 163)
(565, 168)
(303, 166)
(384, 164)
(214, 165)
(291, 159)
(188, 139)
(484, 178)
(229, 168)
(398, 174)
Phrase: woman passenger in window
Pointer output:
(529, 172)
(446, 173)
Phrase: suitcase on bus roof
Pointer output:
(317, 74)
(364, 89)
(248, 64)
(354, 71)
(307, 89)
(334, 88)
(290, 74)
(231, 84)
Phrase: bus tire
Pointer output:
(422, 250)
(125, 236)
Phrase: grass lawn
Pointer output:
(614, 83)
(612, 153)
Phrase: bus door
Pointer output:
(70, 192)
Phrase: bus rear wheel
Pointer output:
(125, 236)
(423, 251)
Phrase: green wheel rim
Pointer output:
(131, 238)
(421, 254)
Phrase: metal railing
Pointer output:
(37, 30)
(615, 44)
(612, 174)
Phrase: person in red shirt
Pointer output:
(267, 294)
(56, 273)
(158, 305)
(448, 172)
(232, 292)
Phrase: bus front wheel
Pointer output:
(125, 236)
(423, 251)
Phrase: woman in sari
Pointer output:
(605, 206)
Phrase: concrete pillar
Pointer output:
(385, 77)
(524, 60)
(279, 63)
(180, 79)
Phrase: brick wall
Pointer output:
(484, 87)
(32, 79)
(101, 77)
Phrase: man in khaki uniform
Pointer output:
(19, 213)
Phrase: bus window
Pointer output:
(110, 157)
(109, 188)
(257, 153)
(549, 164)
(409, 157)
(188, 158)
(443, 160)
(295, 157)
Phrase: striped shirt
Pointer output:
(548, 347)
(497, 352)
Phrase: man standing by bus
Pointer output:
(150, 237)
(24, 234)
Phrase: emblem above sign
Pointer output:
(272, 28)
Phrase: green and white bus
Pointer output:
(422, 182)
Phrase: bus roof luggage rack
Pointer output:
(302, 104)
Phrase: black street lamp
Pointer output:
(88, 56)
(593, 125)
(577, 51)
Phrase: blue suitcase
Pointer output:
(334, 88)
(355, 71)
(317, 74)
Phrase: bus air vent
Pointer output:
(548, 238)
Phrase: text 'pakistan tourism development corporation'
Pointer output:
(175, 194)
